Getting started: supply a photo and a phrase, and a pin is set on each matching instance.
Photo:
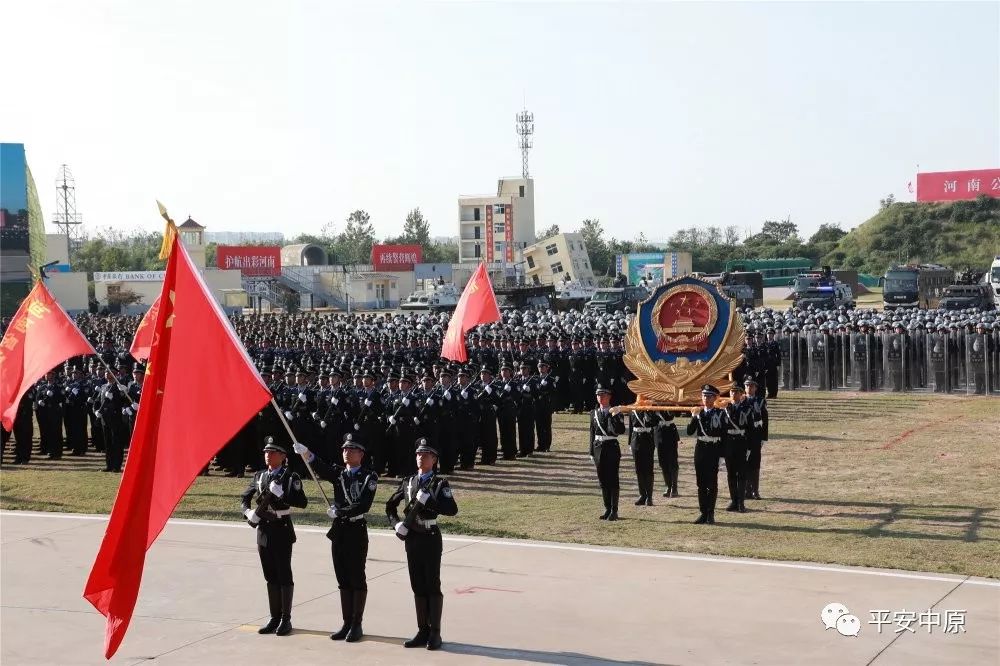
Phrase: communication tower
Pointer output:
(525, 130)
(66, 217)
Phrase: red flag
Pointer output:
(144, 334)
(478, 305)
(200, 389)
(40, 337)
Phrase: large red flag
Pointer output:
(478, 305)
(40, 337)
(200, 389)
(143, 339)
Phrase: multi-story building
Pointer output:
(496, 229)
(559, 257)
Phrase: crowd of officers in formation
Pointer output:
(367, 396)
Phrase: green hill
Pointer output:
(959, 234)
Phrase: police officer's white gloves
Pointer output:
(276, 489)
(423, 496)
(392, 419)
(315, 415)
(335, 401)
(406, 401)
(251, 516)
(401, 529)
(288, 415)
(76, 391)
(97, 413)
(447, 395)
(416, 420)
(489, 390)
(107, 394)
(430, 401)
(526, 388)
(592, 460)
(357, 427)
(322, 424)
(135, 406)
(544, 382)
(300, 448)
(48, 393)
(368, 402)
(333, 511)
(302, 397)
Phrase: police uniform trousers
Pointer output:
(404, 462)
(526, 431)
(423, 560)
(706, 471)
(754, 448)
(274, 546)
(376, 442)
(735, 447)
(507, 422)
(50, 434)
(114, 442)
(488, 436)
(349, 549)
(468, 439)
(772, 381)
(543, 428)
(607, 459)
(642, 455)
(449, 440)
(76, 430)
(23, 431)
(666, 438)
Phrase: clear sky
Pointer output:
(264, 116)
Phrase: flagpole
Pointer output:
(284, 422)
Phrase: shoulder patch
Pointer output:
(297, 484)
(372, 484)
(446, 491)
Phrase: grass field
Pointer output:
(899, 481)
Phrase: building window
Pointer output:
(531, 262)
(498, 248)
(498, 209)
(498, 228)
(535, 279)
(477, 231)
(475, 214)
(551, 249)
(586, 264)
(583, 248)
(477, 253)
(557, 267)
(520, 191)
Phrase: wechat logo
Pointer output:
(836, 616)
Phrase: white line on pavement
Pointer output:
(510, 543)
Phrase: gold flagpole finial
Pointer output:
(169, 232)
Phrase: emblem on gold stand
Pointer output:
(685, 335)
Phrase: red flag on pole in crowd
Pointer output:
(478, 305)
(40, 336)
(184, 418)
(143, 339)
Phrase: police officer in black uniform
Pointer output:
(545, 400)
(427, 496)
(708, 424)
(756, 437)
(354, 489)
(735, 446)
(640, 435)
(278, 489)
(605, 451)
(111, 405)
(666, 438)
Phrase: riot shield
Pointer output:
(956, 364)
(861, 362)
(938, 370)
(918, 359)
(976, 367)
(819, 360)
(893, 349)
(787, 369)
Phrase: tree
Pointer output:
(887, 202)
(416, 230)
(827, 232)
(546, 233)
(354, 246)
(597, 246)
(777, 232)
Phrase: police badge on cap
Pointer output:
(351, 443)
(708, 389)
(269, 445)
(424, 447)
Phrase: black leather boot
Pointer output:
(614, 504)
(285, 626)
(420, 640)
(274, 606)
(356, 632)
(606, 497)
(347, 611)
(435, 605)
(673, 483)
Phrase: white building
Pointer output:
(556, 257)
(497, 228)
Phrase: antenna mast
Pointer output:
(525, 130)
(66, 217)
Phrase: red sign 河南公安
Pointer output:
(396, 257)
(958, 185)
(251, 260)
